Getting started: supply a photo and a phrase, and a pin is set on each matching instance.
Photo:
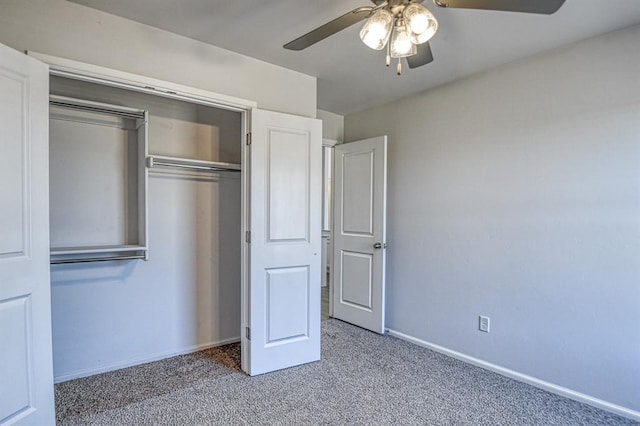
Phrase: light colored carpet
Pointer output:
(363, 379)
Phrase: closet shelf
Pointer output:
(185, 163)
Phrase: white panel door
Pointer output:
(26, 373)
(283, 298)
(359, 232)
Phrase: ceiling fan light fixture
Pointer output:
(377, 29)
(402, 25)
(401, 44)
(421, 22)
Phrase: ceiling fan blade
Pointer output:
(546, 7)
(423, 57)
(329, 28)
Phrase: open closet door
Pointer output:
(282, 307)
(26, 372)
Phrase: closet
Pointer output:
(145, 214)
(180, 219)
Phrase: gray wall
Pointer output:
(68, 30)
(332, 125)
(516, 194)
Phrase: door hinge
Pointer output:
(247, 236)
(248, 333)
(248, 138)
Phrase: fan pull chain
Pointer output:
(388, 59)
(399, 67)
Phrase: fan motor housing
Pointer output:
(395, 3)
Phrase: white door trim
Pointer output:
(76, 70)
(332, 143)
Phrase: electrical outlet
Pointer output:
(484, 324)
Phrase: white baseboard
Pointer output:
(137, 361)
(559, 390)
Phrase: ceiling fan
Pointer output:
(405, 27)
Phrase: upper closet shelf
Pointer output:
(184, 163)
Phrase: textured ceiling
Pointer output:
(352, 77)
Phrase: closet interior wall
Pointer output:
(109, 315)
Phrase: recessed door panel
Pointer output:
(288, 185)
(287, 304)
(13, 214)
(356, 278)
(357, 214)
(14, 367)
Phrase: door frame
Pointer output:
(331, 143)
(75, 70)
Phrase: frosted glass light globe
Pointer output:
(401, 44)
(421, 22)
(376, 30)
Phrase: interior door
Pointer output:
(282, 328)
(360, 232)
(26, 372)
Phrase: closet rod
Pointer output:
(184, 163)
(193, 166)
(97, 107)
(94, 259)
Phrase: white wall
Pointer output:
(516, 194)
(68, 30)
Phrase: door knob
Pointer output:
(377, 246)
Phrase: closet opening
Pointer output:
(156, 265)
